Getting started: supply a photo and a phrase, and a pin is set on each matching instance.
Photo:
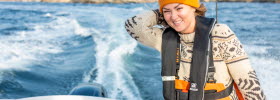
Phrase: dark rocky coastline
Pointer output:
(128, 1)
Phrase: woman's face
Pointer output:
(180, 17)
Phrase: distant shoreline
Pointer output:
(272, 1)
(128, 1)
(85, 1)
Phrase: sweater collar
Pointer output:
(187, 37)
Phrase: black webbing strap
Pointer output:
(211, 68)
(178, 59)
(219, 95)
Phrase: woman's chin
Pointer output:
(178, 30)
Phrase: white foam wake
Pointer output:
(25, 48)
(112, 47)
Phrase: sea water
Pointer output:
(49, 48)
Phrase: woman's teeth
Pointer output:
(177, 22)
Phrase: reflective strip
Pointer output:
(168, 78)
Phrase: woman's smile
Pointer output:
(178, 22)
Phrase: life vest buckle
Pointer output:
(211, 80)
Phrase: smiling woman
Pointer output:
(180, 17)
(201, 59)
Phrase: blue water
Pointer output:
(49, 48)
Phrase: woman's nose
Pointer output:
(174, 15)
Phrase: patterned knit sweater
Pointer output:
(230, 60)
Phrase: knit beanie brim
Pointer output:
(193, 3)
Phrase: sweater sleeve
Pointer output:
(142, 28)
(238, 65)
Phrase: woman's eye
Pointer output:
(166, 11)
(179, 8)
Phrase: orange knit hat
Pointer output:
(193, 3)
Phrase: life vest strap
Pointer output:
(182, 85)
(211, 68)
(221, 93)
